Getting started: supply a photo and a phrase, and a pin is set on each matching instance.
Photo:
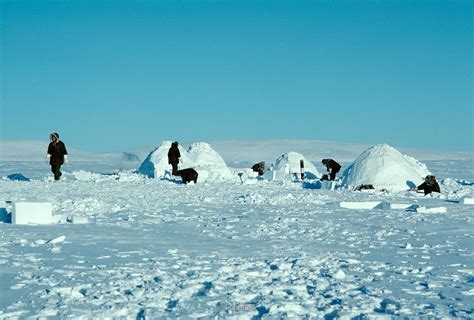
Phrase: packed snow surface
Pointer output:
(132, 247)
(384, 167)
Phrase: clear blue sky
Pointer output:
(121, 74)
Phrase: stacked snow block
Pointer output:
(32, 212)
(467, 200)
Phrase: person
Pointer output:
(259, 167)
(333, 167)
(57, 155)
(174, 157)
(430, 185)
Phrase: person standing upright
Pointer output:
(57, 155)
(174, 157)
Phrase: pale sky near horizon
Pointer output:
(112, 75)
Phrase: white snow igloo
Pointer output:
(384, 167)
(208, 163)
(156, 163)
(289, 164)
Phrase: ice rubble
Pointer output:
(289, 164)
(384, 167)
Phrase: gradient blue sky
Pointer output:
(121, 74)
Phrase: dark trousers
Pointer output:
(175, 169)
(332, 176)
(55, 169)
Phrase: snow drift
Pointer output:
(156, 163)
(385, 168)
(289, 164)
(208, 163)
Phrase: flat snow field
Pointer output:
(159, 249)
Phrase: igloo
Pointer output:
(208, 163)
(287, 165)
(384, 167)
(156, 163)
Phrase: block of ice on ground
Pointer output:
(328, 185)
(367, 205)
(25, 212)
(431, 210)
(467, 201)
(400, 206)
(77, 219)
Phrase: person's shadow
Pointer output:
(168, 177)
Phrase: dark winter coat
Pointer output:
(174, 154)
(331, 165)
(259, 167)
(429, 186)
(188, 175)
(57, 150)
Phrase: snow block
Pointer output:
(467, 201)
(363, 205)
(32, 212)
(431, 210)
(77, 219)
(400, 206)
(328, 185)
(324, 185)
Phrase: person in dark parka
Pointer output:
(174, 157)
(259, 167)
(57, 155)
(430, 185)
(332, 166)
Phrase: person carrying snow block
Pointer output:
(57, 155)
(174, 157)
(333, 167)
(430, 185)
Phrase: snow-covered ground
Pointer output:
(157, 248)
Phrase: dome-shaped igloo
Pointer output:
(155, 165)
(289, 164)
(207, 159)
(384, 167)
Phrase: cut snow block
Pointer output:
(400, 206)
(431, 210)
(32, 212)
(363, 205)
(328, 185)
(77, 219)
(467, 201)
(383, 206)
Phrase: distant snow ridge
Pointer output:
(289, 163)
(385, 168)
(156, 163)
(208, 163)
